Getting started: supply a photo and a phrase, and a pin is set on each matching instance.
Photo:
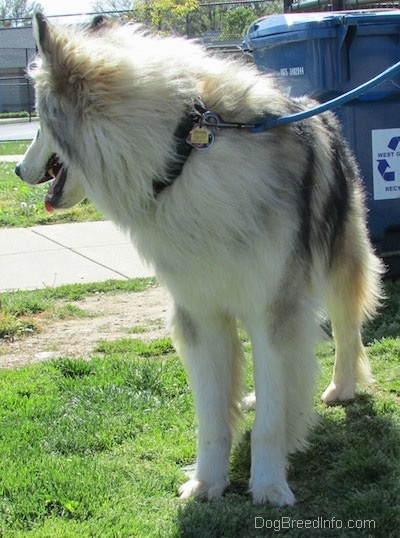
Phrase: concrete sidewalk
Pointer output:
(66, 254)
(11, 158)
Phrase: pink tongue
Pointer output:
(49, 195)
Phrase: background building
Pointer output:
(17, 46)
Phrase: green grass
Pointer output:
(14, 147)
(22, 205)
(73, 428)
(21, 115)
(97, 448)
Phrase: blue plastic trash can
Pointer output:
(326, 54)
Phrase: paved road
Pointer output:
(18, 131)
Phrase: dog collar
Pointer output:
(195, 130)
(183, 149)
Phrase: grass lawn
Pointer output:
(22, 205)
(97, 448)
(12, 147)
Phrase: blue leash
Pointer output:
(272, 121)
(211, 119)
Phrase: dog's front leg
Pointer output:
(212, 355)
(268, 440)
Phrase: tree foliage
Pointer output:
(236, 21)
(163, 15)
(17, 12)
(112, 5)
(221, 20)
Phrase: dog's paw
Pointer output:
(196, 488)
(275, 494)
(339, 393)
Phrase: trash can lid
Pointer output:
(294, 22)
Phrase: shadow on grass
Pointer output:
(386, 324)
(350, 473)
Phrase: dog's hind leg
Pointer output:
(211, 351)
(353, 295)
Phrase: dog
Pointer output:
(242, 224)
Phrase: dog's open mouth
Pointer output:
(55, 170)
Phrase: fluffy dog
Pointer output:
(260, 227)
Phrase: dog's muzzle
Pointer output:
(55, 170)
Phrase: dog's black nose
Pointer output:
(18, 170)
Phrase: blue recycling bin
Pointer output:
(326, 54)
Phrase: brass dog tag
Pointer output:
(199, 135)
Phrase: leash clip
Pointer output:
(212, 119)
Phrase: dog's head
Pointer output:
(49, 158)
(110, 101)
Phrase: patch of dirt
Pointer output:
(110, 316)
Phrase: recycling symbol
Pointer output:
(384, 167)
(385, 146)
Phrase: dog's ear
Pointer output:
(60, 68)
(42, 30)
(99, 22)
